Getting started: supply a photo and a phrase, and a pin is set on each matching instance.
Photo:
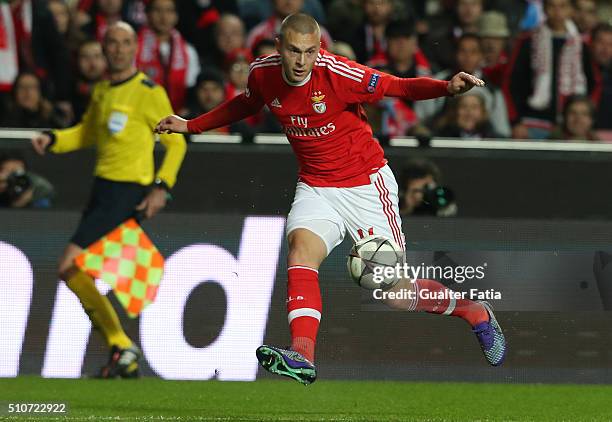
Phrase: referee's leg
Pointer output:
(97, 307)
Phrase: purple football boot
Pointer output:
(491, 338)
(288, 363)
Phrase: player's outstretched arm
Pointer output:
(462, 82)
(230, 111)
(427, 88)
(172, 124)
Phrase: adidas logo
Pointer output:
(276, 103)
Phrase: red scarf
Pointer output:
(173, 75)
(423, 68)
(375, 47)
(397, 117)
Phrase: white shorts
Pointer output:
(361, 210)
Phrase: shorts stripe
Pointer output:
(385, 204)
(387, 208)
(393, 216)
(304, 312)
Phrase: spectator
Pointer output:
(102, 14)
(65, 24)
(164, 55)
(265, 48)
(468, 15)
(269, 28)
(29, 109)
(198, 18)
(342, 48)
(91, 66)
(585, 17)
(209, 93)
(369, 41)
(61, 14)
(469, 58)
(229, 35)
(255, 11)
(601, 47)
(441, 41)
(395, 116)
(132, 11)
(578, 118)
(494, 35)
(421, 193)
(519, 14)
(403, 57)
(237, 72)
(344, 17)
(548, 65)
(466, 117)
(20, 188)
(31, 42)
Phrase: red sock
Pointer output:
(304, 309)
(473, 313)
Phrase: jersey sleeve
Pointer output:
(173, 142)
(252, 94)
(76, 137)
(233, 110)
(354, 82)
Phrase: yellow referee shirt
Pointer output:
(119, 121)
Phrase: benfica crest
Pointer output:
(317, 102)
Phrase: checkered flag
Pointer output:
(129, 262)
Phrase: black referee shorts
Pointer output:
(110, 204)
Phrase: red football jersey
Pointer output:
(323, 117)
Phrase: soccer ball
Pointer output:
(368, 259)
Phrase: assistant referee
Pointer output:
(119, 123)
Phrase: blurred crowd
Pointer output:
(547, 63)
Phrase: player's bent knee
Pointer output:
(302, 255)
(305, 248)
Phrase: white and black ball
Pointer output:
(369, 258)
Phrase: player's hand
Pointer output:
(463, 82)
(40, 142)
(154, 202)
(172, 124)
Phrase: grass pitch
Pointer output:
(283, 400)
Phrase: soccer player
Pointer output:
(119, 123)
(345, 184)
